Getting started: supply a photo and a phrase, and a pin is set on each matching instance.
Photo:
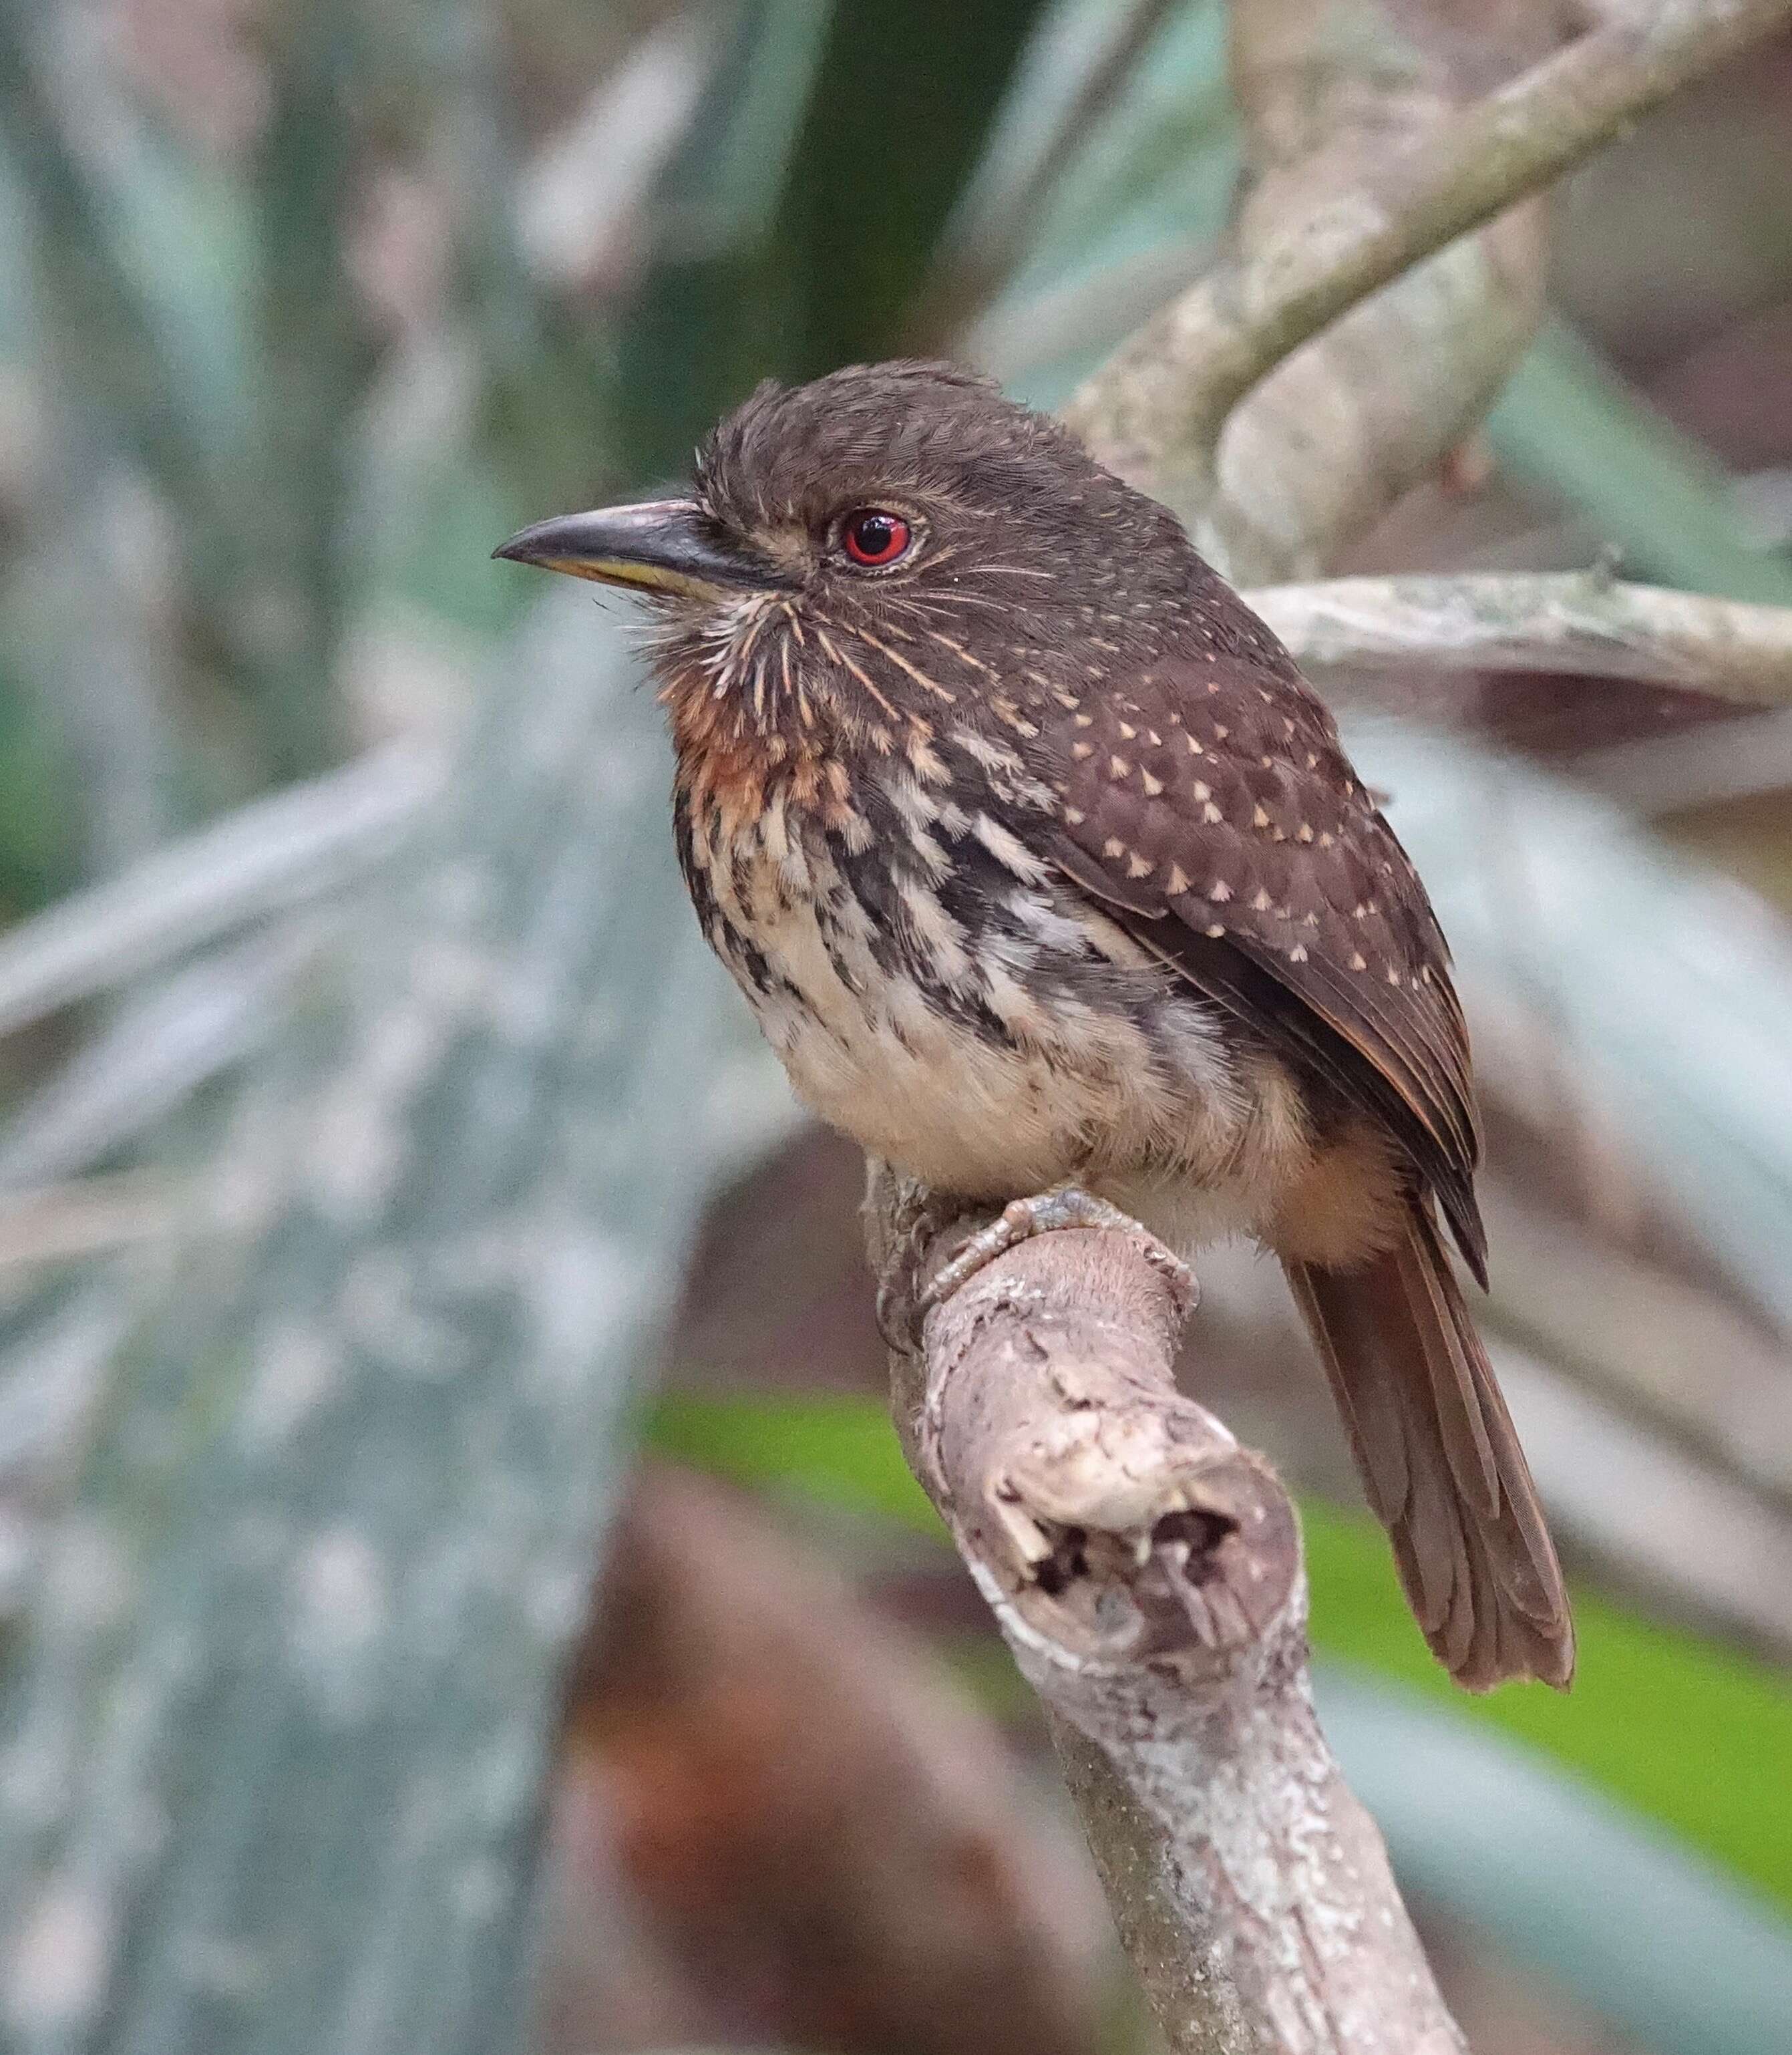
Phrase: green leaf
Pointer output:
(903, 99)
(1569, 426)
(703, 324)
(1147, 190)
(842, 1451)
(802, 215)
(1681, 1729)
(1656, 1939)
(142, 249)
(1160, 167)
(39, 822)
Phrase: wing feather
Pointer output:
(1212, 808)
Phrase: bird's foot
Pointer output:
(1066, 1205)
(913, 1218)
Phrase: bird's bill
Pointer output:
(661, 544)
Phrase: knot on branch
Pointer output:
(1110, 1520)
(1122, 1522)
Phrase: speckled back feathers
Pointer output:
(1038, 859)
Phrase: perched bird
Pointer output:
(1039, 862)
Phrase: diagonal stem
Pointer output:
(1163, 398)
(1586, 622)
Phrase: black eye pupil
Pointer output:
(876, 537)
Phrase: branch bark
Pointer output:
(1581, 622)
(1157, 409)
(1327, 440)
(1146, 1572)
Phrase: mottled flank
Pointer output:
(1038, 860)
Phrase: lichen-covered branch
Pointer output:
(1581, 622)
(1146, 1572)
(1157, 408)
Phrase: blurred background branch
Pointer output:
(1157, 411)
(1586, 624)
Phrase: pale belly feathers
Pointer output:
(1054, 1049)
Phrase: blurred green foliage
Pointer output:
(903, 99)
(39, 860)
(1570, 428)
(804, 210)
(1668, 1723)
(1659, 1718)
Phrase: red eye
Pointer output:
(874, 536)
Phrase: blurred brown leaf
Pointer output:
(837, 1848)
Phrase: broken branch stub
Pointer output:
(1147, 1573)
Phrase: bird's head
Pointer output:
(872, 550)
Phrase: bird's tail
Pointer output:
(1440, 1461)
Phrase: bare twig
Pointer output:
(1580, 622)
(1146, 1572)
(1325, 92)
(1157, 409)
